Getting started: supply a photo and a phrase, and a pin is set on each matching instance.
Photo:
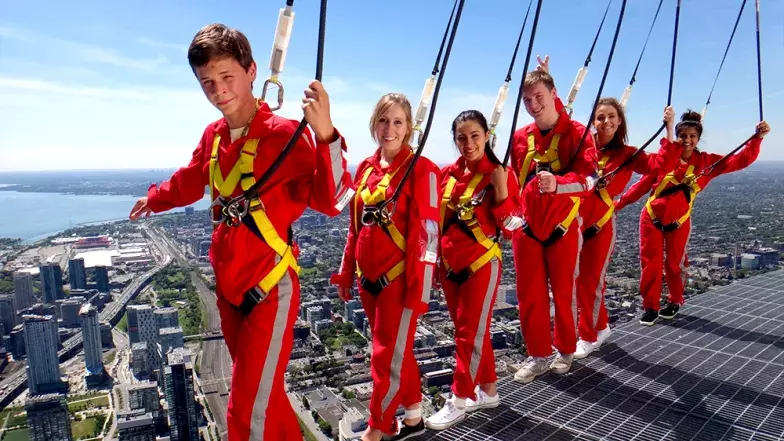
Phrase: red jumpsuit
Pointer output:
(471, 302)
(673, 213)
(536, 264)
(597, 211)
(259, 343)
(377, 253)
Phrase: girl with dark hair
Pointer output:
(597, 211)
(480, 201)
(665, 222)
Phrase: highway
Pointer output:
(112, 313)
(215, 361)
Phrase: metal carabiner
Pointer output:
(235, 211)
(217, 202)
(275, 81)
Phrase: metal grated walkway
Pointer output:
(714, 373)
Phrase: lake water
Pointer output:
(34, 216)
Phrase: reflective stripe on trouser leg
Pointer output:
(532, 295)
(594, 261)
(563, 267)
(651, 262)
(474, 310)
(676, 243)
(258, 406)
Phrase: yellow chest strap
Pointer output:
(465, 214)
(605, 195)
(242, 173)
(373, 198)
(670, 178)
(549, 157)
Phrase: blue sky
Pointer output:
(96, 84)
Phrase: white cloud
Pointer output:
(163, 45)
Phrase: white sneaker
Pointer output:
(532, 368)
(562, 363)
(483, 401)
(584, 349)
(602, 336)
(448, 416)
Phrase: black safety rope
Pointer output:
(606, 177)
(522, 82)
(443, 39)
(233, 208)
(601, 87)
(639, 60)
(732, 36)
(517, 46)
(710, 168)
(596, 38)
(429, 123)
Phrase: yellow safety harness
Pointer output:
(548, 161)
(371, 199)
(242, 173)
(688, 185)
(464, 211)
(594, 229)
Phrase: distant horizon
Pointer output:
(154, 170)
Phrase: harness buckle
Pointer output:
(235, 211)
(543, 166)
(276, 82)
(373, 215)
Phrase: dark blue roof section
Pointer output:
(715, 372)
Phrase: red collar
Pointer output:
(259, 127)
(401, 157)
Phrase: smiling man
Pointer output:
(554, 176)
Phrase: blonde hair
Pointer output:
(382, 107)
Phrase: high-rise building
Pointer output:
(43, 365)
(23, 290)
(166, 317)
(7, 313)
(144, 395)
(77, 274)
(183, 415)
(51, 282)
(140, 363)
(143, 328)
(135, 425)
(48, 418)
(102, 278)
(91, 335)
(170, 338)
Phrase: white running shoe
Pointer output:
(602, 336)
(532, 368)
(584, 349)
(483, 401)
(562, 363)
(448, 416)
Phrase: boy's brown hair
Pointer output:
(537, 76)
(217, 41)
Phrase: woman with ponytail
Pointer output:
(597, 211)
(665, 222)
(479, 203)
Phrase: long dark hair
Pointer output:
(690, 118)
(476, 116)
(621, 137)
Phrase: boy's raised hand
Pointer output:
(315, 105)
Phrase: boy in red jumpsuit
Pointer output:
(665, 221)
(555, 176)
(480, 200)
(394, 263)
(255, 262)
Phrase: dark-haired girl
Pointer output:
(665, 222)
(597, 211)
(479, 203)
